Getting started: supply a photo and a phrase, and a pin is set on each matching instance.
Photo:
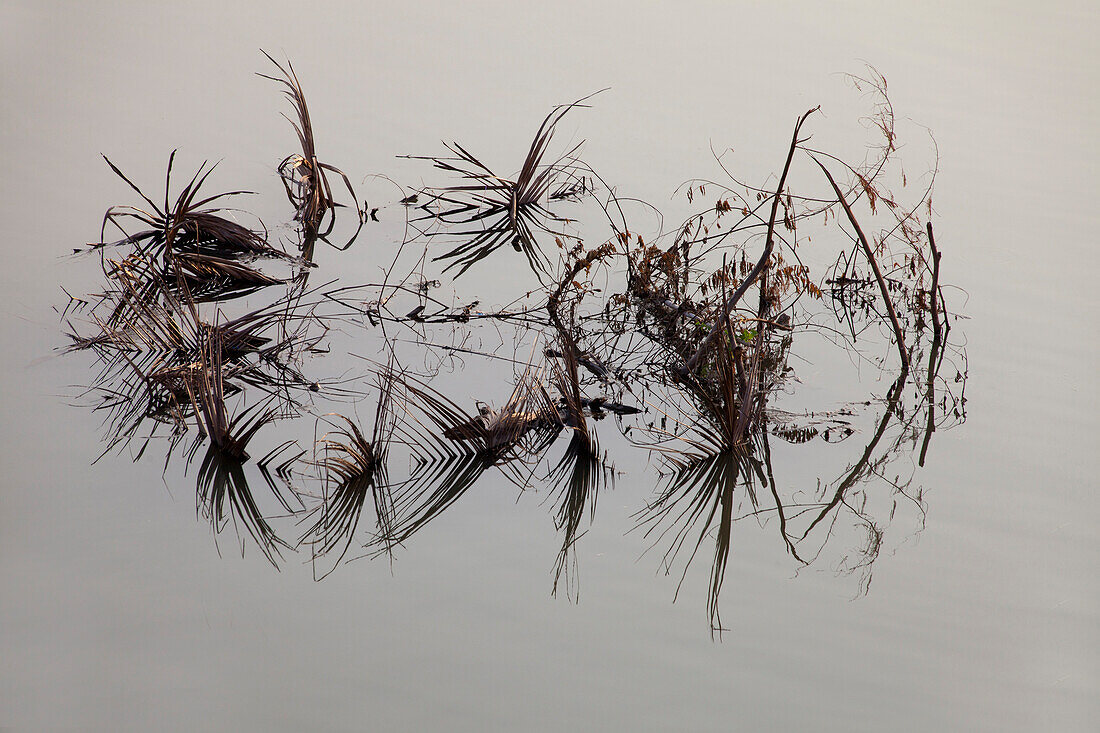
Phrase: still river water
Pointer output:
(117, 611)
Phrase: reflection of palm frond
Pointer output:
(577, 479)
(698, 495)
(146, 345)
(162, 361)
(354, 466)
(224, 497)
(489, 211)
(494, 434)
(435, 485)
(453, 448)
(206, 387)
(210, 278)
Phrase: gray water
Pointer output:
(119, 612)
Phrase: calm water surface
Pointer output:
(119, 612)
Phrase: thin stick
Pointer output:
(936, 335)
(935, 282)
(898, 335)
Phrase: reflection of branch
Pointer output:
(930, 396)
(775, 495)
(857, 471)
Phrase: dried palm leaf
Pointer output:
(488, 211)
(304, 177)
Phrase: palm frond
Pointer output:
(487, 211)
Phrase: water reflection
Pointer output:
(704, 494)
(574, 484)
(354, 467)
(697, 502)
(225, 499)
(641, 345)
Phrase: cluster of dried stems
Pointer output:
(655, 333)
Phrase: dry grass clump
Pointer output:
(304, 177)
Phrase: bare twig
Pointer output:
(899, 336)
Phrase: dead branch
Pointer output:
(899, 336)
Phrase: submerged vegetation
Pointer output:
(672, 345)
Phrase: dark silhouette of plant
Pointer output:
(487, 211)
(304, 177)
